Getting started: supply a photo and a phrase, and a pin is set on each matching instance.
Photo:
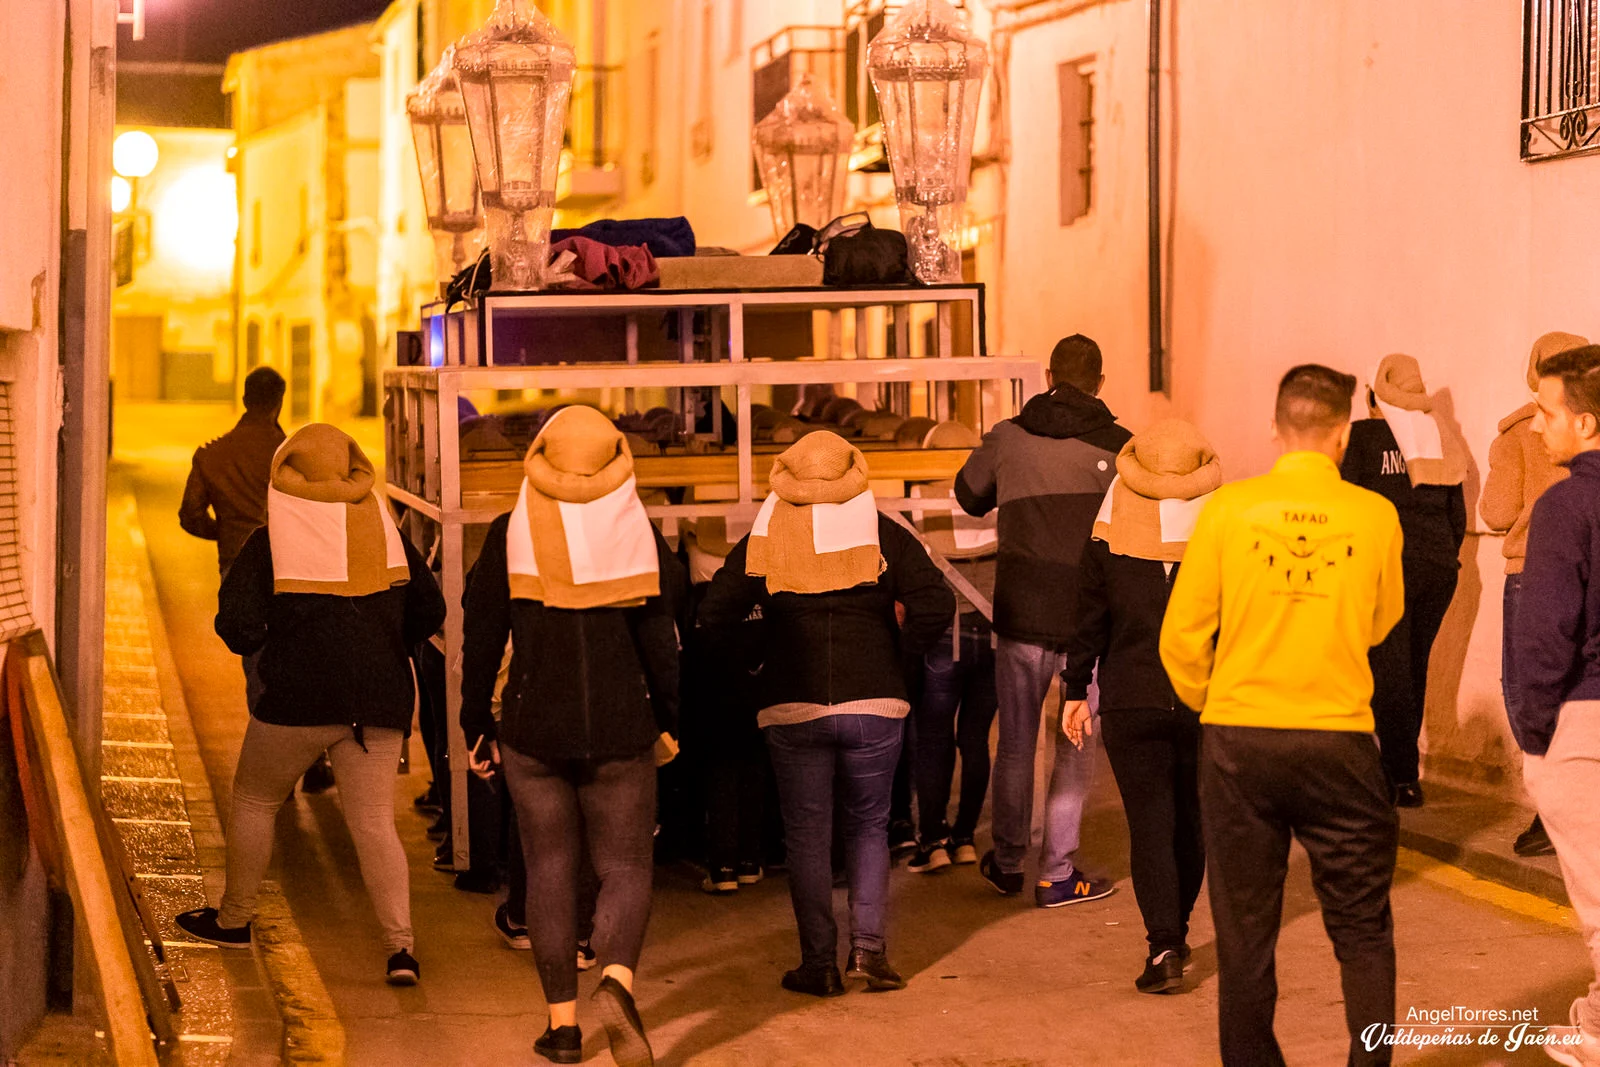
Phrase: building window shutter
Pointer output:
(1076, 88)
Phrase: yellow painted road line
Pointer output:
(1513, 900)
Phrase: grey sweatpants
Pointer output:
(272, 759)
(1563, 783)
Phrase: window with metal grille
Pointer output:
(1076, 84)
(1560, 78)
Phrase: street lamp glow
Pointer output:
(134, 154)
(198, 218)
(121, 194)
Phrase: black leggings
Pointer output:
(611, 806)
(1155, 755)
(517, 882)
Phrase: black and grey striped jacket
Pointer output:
(1047, 470)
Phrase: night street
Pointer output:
(993, 982)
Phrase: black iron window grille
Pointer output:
(1560, 78)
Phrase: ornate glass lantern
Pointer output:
(516, 79)
(927, 70)
(803, 152)
(444, 160)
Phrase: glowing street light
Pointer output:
(516, 79)
(121, 194)
(927, 70)
(444, 160)
(134, 154)
(803, 152)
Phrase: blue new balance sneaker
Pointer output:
(1075, 889)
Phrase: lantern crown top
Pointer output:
(927, 39)
(804, 114)
(518, 37)
(437, 96)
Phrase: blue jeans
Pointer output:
(1508, 667)
(951, 686)
(1023, 673)
(853, 757)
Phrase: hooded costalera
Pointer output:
(579, 536)
(1433, 456)
(329, 533)
(817, 531)
(1165, 475)
(1520, 470)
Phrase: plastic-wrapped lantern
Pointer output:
(516, 80)
(927, 70)
(444, 161)
(803, 152)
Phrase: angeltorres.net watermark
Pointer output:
(1505, 1029)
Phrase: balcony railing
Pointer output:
(1560, 78)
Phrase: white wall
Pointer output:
(1347, 185)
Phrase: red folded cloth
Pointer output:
(602, 266)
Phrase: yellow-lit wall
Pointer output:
(183, 270)
(310, 196)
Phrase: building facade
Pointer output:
(306, 123)
(1336, 182)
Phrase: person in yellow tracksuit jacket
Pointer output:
(1288, 581)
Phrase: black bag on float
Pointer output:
(867, 256)
(800, 241)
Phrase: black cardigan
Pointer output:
(1121, 602)
(832, 648)
(595, 684)
(328, 660)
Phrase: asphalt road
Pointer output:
(993, 982)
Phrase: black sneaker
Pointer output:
(513, 935)
(586, 957)
(1006, 883)
(624, 1028)
(962, 851)
(750, 873)
(1534, 841)
(318, 777)
(201, 924)
(560, 1044)
(902, 836)
(720, 881)
(814, 981)
(874, 967)
(929, 858)
(482, 882)
(444, 857)
(1163, 973)
(428, 799)
(404, 969)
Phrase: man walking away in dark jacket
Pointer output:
(1047, 470)
(226, 497)
(1557, 721)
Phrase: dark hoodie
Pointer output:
(1047, 470)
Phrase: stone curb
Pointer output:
(312, 1033)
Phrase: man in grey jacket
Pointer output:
(1047, 470)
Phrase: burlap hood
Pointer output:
(1433, 454)
(817, 531)
(579, 537)
(329, 534)
(1551, 344)
(1163, 477)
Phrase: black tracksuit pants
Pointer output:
(1400, 666)
(1326, 789)
(1155, 755)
